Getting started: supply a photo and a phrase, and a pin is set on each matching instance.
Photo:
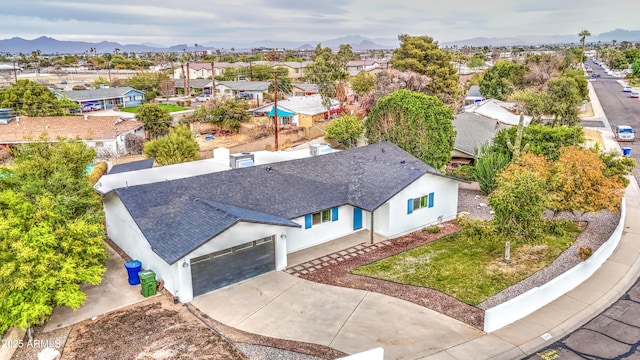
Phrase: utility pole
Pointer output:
(188, 81)
(275, 105)
(213, 80)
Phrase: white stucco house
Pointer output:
(203, 232)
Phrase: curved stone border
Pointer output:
(534, 299)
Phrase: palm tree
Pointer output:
(583, 35)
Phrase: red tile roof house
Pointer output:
(105, 133)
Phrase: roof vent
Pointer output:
(268, 168)
(237, 161)
(319, 149)
(403, 162)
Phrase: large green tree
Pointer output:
(157, 120)
(327, 69)
(421, 54)
(30, 98)
(420, 124)
(51, 231)
(564, 99)
(177, 147)
(502, 79)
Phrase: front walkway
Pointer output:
(358, 241)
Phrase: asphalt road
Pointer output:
(619, 108)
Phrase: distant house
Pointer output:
(204, 232)
(354, 67)
(105, 133)
(196, 86)
(472, 131)
(250, 90)
(302, 111)
(501, 111)
(105, 98)
(304, 89)
(295, 69)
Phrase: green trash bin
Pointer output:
(147, 282)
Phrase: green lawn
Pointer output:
(470, 271)
(168, 107)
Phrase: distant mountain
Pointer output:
(618, 35)
(48, 45)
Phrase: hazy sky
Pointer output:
(172, 22)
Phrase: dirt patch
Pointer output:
(154, 329)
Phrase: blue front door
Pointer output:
(357, 218)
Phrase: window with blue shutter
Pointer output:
(409, 206)
(430, 200)
(334, 214)
(307, 221)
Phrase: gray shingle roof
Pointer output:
(473, 130)
(132, 166)
(178, 216)
(99, 94)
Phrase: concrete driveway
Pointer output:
(280, 305)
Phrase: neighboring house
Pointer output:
(195, 85)
(105, 98)
(295, 69)
(203, 70)
(472, 131)
(193, 71)
(302, 111)
(105, 133)
(501, 111)
(303, 89)
(200, 233)
(354, 67)
(251, 90)
(473, 96)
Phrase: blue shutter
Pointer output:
(307, 221)
(430, 200)
(409, 206)
(334, 214)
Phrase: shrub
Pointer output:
(584, 252)
(97, 172)
(464, 172)
(180, 103)
(433, 229)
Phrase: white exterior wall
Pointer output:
(399, 222)
(125, 233)
(301, 238)
(177, 278)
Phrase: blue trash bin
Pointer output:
(133, 268)
(626, 151)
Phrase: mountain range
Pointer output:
(48, 45)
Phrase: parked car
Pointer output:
(202, 98)
(626, 89)
(244, 96)
(624, 133)
(635, 94)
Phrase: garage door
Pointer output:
(229, 266)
